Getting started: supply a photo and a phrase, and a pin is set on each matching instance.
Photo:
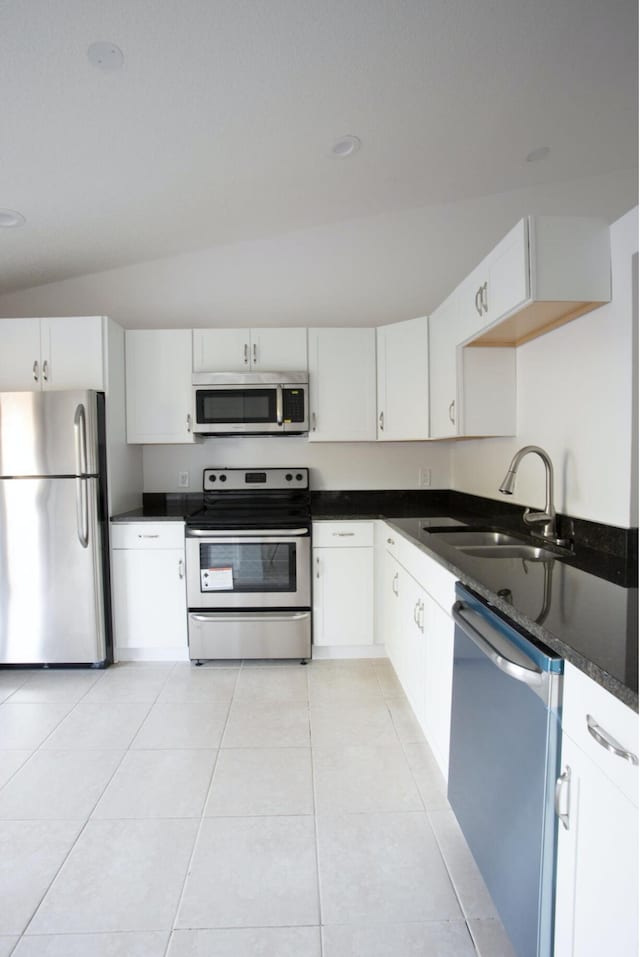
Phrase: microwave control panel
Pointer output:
(293, 405)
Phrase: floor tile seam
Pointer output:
(314, 799)
(445, 862)
(213, 771)
(55, 728)
(55, 876)
(20, 766)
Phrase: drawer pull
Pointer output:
(344, 534)
(148, 536)
(609, 743)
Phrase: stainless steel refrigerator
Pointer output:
(54, 569)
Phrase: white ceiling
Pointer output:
(219, 126)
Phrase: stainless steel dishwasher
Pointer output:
(504, 759)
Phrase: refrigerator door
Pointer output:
(48, 433)
(51, 586)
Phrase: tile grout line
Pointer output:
(201, 821)
(315, 816)
(86, 822)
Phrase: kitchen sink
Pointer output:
(482, 538)
(488, 543)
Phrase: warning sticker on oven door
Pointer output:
(216, 579)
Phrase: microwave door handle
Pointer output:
(279, 407)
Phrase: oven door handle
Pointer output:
(266, 616)
(246, 533)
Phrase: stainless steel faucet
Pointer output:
(546, 519)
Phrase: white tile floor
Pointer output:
(161, 810)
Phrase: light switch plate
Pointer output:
(183, 480)
(425, 477)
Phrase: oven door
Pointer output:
(255, 569)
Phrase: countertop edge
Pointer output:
(593, 671)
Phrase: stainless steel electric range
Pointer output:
(248, 557)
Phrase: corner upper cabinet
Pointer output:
(51, 354)
(472, 391)
(158, 380)
(250, 350)
(546, 271)
(403, 380)
(342, 385)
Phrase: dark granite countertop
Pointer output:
(584, 607)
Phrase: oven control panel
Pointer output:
(232, 480)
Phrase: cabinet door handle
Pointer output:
(246, 353)
(562, 783)
(181, 568)
(188, 422)
(381, 421)
(36, 372)
(314, 422)
(415, 613)
(45, 370)
(421, 616)
(317, 566)
(255, 353)
(452, 413)
(394, 584)
(608, 742)
(484, 297)
(479, 301)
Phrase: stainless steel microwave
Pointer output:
(250, 403)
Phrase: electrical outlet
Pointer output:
(425, 478)
(183, 480)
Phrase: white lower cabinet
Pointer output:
(148, 591)
(417, 631)
(597, 806)
(343, 585)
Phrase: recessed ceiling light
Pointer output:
(10, 218)
(105, 56)
(538, 154)
(346, 146)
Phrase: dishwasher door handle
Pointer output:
(529, 676)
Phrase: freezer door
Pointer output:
(48, 433)
(51, 577)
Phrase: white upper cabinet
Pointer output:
(249, 350)
(472, 391)
(546, 271)
(403, 380)
(158, 378)
(52, 354)
(342, 385)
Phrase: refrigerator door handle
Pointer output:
(82, 511)
(80, 430)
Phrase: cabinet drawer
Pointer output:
(436, 580)
(613, 719)
(147, 535)
(347, 534)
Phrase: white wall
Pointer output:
(362, 465)
(361, 272)
(575, 399)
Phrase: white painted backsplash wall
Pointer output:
(361, 465)
(576, 398)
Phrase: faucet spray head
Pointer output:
(508, 483)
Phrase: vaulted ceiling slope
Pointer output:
(220, 124)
